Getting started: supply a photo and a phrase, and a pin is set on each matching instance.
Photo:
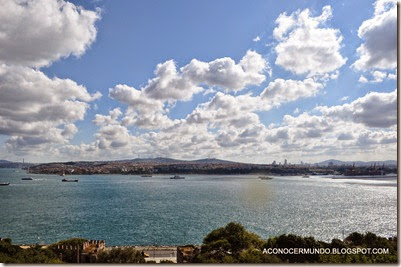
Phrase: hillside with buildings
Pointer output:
(207, 166)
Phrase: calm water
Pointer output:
(128, 209)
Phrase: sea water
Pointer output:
(134, 210)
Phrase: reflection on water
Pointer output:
(257, 192)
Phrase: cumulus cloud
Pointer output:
(36, 33)
(366, 125)
(240, 110)
(304, 47)
(31, 104)
(226, 74)
(112, 134)
(228, 126)
(170, 84)
(228, 110)
(377, 77)
(308, 126)
(313, 136)
(142, 111)
(37, 111)
(40, 112)
(372, 110)
(280, 91)
(379, 35)
(147, 106)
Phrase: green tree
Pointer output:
(225, 244)
(120, 255)
(10, 253)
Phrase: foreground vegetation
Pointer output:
(234, 244)
(54, 254)
(10, 253)
(229, 244)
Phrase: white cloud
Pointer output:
(228, 110)
(38, 112)
(227, 126)
(363, 79)
(312, 137)
(226, 74)
(344, 98)
(256, 39)
(306, 48)
(36, 33)
(147, 106)
(112, 118)
(372, 110)
(392, 76)
(31, 104)
(135, 98)
(379, 49)
(377, 77)
(171, 85)
(280, 91)
(143, 111)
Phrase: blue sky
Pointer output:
(103, 44)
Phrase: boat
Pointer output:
(305, 176)
(4, 184)
(27, 178)
(69, 180)
(146, 175)
(177, 177)
(265, 178)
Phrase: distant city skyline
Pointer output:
(253, 82)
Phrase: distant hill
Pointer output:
(212, 161)
(175, 161)
(10, 164)
(150, 160)
(357, 163)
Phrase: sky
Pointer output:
(250, 81)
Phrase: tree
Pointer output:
(120, 255)
(10, 253)
(225, 244)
